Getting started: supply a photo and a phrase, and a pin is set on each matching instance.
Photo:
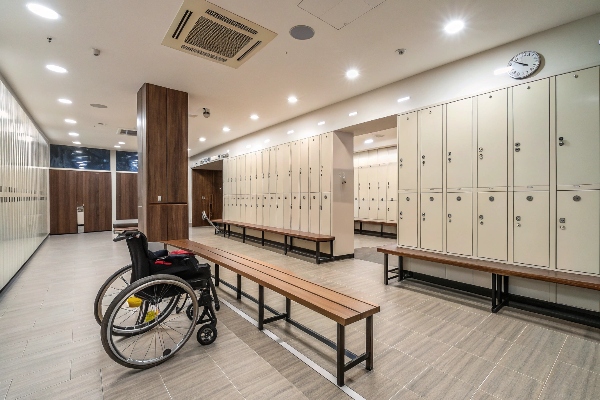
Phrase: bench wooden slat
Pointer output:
(561, 277)
(384, 223)
(315, 237)
(338, 312)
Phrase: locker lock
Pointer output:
(400, 160)
(561, 141)
(576, 198)
(326, 197)
(518, 218)
(408, 199)
(562, 220)
(423, 214)
(458, 198)
(518, 225)
(449, 215)
(491, 198)
(481, 149)
(431, 199)
(481, 217)
(423, 157)
(400, 212)
(529, 198)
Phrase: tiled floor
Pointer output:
(429, 342)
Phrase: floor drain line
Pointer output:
(321, 371)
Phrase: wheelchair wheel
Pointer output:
(148, 334)
(206, 334)
(109, 290)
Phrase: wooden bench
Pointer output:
(312, 237)
(341, 308)
(368, 221)
(500, 272)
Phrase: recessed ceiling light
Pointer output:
(121, 142)
(292, 99)
(73, 134)
(401, 99)
(228, 151)
(352, 73)
(42, 11)
(248, 146)
(352, 114)
(76, 142)
(70, 121)
(501, 71)
(321, 123)
(267, 140)
(454, 26)
(226, 129)
(117, 146)
(368, 141)
(65, 101)
(189, 149)
(290, 132)
(203, 139)
(56, 68)
(254, 117)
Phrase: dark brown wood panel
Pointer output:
(207, 195)
(142, 171)
(156, 144)
(157, 222)
(176, 146)
(127, 195)
(177, 221)
(97, 201)
(63, 201)
(565, 278)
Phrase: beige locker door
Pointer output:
(356, 182)
(258, 175)
(382, 181)
(492, 235)
(459, 147)
(279, 209)
(265, 171)
(295, 224)
(225, 181)
(246, 210)
(259, 209)
(325, 214)
(304, 169)
(313, 212)
(373, 183)
(391, 172)
(304, 211)
(373, 204)
(531, 227)
(238, 208)
(356, 207)
(250, 159)
(431, 157)
(492, 136)
(408, 219)
(363, 181)
(295, 167)
(382, 209)
(266, 206)
(407, 151)
(382, 156)
(578, 234)
(326, 161)
(281, 168)
(363, 159)
(459, 223)
(238, 182)
(578, 124)
(273, 210)
(251, 209)
(314, 163)
(372, 158)
(363, 207)
(391, 211)
(225, 205)
(242, 173)
(431, 221)
(273, 170)
(531, 125)
(287, 168)
(287, 211)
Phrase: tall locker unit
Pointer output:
(431, 221)
(373, 189)
(430, 129)
(325, 214)
(459, 223)
(295, 166)
(313, 213)
(251, 209)
(295, 217)
(250, 171)
(304, 166)
(407, 152)
(265, 171)
(284, 176)
(242, 174)
(492, 137)
(266, 209)
(314, 164)
(279, 210)
(272, 210)
(492, 234)
(304, 212)
(531, 227)
(459, 144)
(273, 170)
(225, 181)
(287, 211)
(258, 173)
(259, 209)
(356, 192)
(363, 192)
(381, 192)
(392, 191)
(408, 219)
(325, 175)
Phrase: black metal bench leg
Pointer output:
(400, 268)
(360, 229)
(385, 268)
(261, 306)
(239, 287)
(291, 243)
(244, 235)
(263, 238)
(288, 309)
(318, 252)
(285, 244)
(331, 248)
(369, 344)
(505, 290)
(341, 346)
(224, 230)
(381, 232)
(216, 274)
(494, 296)
(229, 229)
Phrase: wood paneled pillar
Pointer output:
(162, 125)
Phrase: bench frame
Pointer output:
(374, 233)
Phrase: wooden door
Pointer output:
(127, 200)
(97, 201)
(63, 202)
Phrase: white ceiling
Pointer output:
(129, 34)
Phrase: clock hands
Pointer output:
(523, 64)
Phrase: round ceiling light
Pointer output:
(42, 11)
(73, 134)
(292, 99)
(302, 32)
(65, 101)
(226, 129)
(254, 117)
(352, 74)
(454, 26)
(202, 139)
(56, 68)
(368, 141)
(70, 121)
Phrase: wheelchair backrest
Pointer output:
(140, 260)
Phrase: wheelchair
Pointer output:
(144, 324)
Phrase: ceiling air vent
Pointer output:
(126, 132)
(208, 31)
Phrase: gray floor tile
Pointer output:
(582, 353)
(423, 348)
(570, 382)
(535, 364)
(434, 384)
(464, 366)
(483, 345)
(508, 384)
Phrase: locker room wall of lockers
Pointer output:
(512, 175)
(375, 189)
(292, 186)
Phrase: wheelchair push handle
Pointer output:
(125, 234)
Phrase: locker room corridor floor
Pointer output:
(430, 343)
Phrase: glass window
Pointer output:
(127, 161)
(79, 157)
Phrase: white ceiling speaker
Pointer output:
(213, 33)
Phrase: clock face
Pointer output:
(524, 64)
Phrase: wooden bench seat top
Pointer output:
(337, 306)
(561, 277)
(370, 221)
(315, 237)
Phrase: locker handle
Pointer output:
(561, 141)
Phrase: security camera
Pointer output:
(206, 112)
(96, 52)
(401, 51)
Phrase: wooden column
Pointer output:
(162, 118)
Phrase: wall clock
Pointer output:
(524, 64)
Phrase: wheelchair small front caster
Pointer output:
(190, 312)
(206, 334)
